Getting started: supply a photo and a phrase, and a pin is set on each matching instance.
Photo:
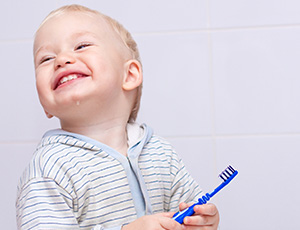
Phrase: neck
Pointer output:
(112, 133)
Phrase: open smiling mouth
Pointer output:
(68, 78)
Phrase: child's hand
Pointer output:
(206, 217)
(156, 221)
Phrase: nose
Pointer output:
(64, 59)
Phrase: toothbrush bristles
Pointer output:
(226, 174)
(231, 169)
(222, 177)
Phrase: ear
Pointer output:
(48, 114)
(133, 76)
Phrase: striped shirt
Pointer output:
(74, 182)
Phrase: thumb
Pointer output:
(167, 214)
(183, 206)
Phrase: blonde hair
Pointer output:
(120, 31)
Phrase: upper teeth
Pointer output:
(68, 78)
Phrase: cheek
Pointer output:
(42, 79)
(41, 93)
(40, 85)
(43, 87)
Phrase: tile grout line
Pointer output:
(19, 142)
(227, 136)
(216, 29)
(212, 90)
(12, 41)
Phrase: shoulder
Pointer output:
(157, 140)
(47, 153)
(160, 148)
(56, 158)
(36, 168)
(158, 143)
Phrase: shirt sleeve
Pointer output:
(184, 188)
(43, 204)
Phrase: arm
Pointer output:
(156, 221)
(43, 204)
(183, 188)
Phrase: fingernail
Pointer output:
(186, 220)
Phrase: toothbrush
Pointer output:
(227, 175)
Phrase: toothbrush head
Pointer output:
(228, 174)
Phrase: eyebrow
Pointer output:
(83, 33)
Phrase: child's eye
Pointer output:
(82, 46)
(45, 59)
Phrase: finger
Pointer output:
(205, 215)
(167, 214)
(206, 209)
(170, 224)
(198, 220)
(184, 205)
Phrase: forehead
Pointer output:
(70, 24)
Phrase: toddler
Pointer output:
(101, 170)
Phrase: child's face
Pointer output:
(78, 59)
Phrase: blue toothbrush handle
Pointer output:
(179, 216)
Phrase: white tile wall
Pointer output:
(256, 79)
(221, 83)
(152, 16)
(177, 98)
(20, 19)
(246, 13)
(264, 194)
